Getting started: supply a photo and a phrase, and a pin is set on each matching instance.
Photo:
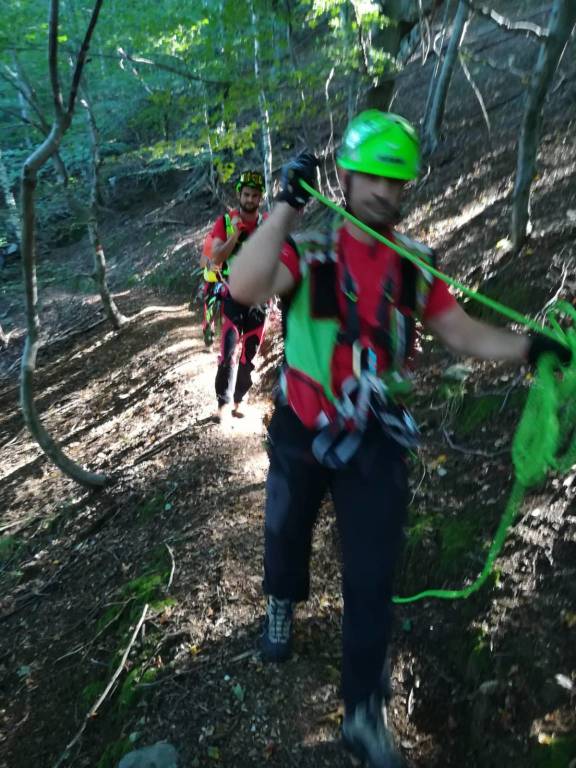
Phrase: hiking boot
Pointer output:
(365, 734)
(238, 411)
(276, 637)
(223, 413)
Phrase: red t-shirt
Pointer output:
(219, 228)
(370, 265)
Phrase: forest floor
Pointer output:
(173, 546)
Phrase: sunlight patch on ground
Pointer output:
(181, 346)
(469, 212)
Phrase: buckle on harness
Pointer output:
(363, 359)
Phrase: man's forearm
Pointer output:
(253, 271)
(467, 336)
(221, 251)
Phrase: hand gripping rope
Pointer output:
(546, 435)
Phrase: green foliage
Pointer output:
(8, 546)
(554, 752)
(129, 692)
(91, 693)
(477, 411)
(115, 752)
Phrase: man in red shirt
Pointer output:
(339, 423)
(240, 323)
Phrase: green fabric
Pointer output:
(310, 342)
(382, 144)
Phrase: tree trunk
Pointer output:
(562, 20)
(437, 63)
(29, 175)
(295, 69)
(432, 127)
(264, 114)
(112, 312)
(13, 216)
(28, 185)
(212, 173)
(27, 94)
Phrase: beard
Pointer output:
(380, 216)
(248, 207)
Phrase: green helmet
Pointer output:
(252, 179)
(380, 143)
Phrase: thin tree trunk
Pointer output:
(28, 184)
(432, 128)
(212, 172)
(296, 71)
(264, 114)
(437, 64)
(13, 216)
(562, 20)
(112, 312)
(27, 94)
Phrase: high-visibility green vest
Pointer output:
(211, 275)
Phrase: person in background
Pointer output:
(242, 324)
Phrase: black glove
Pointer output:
(301, 167)
(540, 345)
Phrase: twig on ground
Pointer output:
(92, 640)
(171, 553)
(94, 709)
(472, 451)
(419, 485)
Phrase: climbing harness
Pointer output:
(546, 435)
(316, 333)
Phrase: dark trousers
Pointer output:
(240, 325)
(370, 501)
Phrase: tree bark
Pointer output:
(431, 133)
(28, 184)
(13, 216)
(112, 312)
(562, 20)
(27, 95)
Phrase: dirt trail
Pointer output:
(180, 530)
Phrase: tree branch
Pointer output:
(517, 27)
(83, 52)
(53, 58)
(136, 59)
(477, 92)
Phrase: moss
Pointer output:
(478, 411)
(130, 692)
(8, 546)
(151, 507)
(521, 295)
(556, 752)
(446, 543)
(114, 753)
(478, 665)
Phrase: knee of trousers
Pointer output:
(281, 521)
(230, 340)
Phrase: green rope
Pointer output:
(546, 435)
(502, 309)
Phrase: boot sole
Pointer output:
(359, 755)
